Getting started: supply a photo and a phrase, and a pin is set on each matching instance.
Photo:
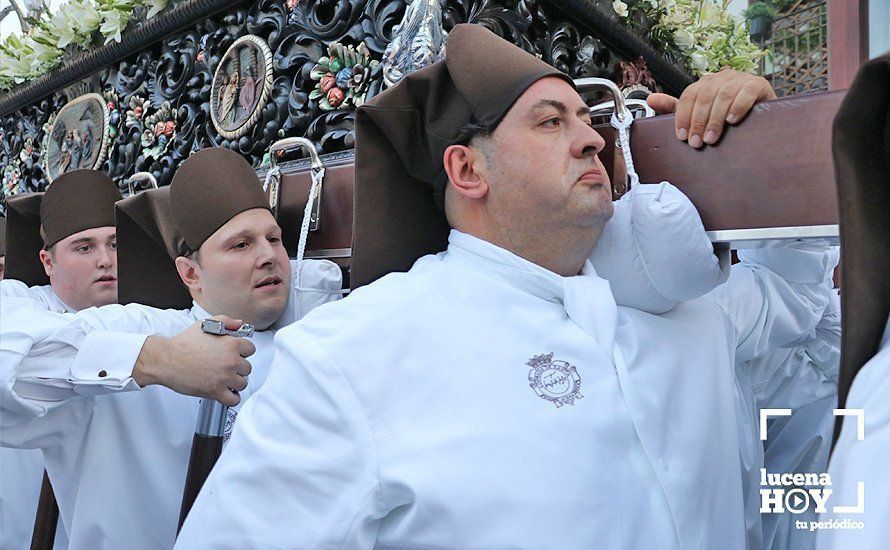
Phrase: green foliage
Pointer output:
(760, 8)
(702, 33)
(78, 24)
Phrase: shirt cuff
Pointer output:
(105, 361)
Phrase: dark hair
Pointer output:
(471, 130)
(194, 255)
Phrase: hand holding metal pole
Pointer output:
(209, 432)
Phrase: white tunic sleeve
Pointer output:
(47, 359)
(314, 283)
(861, 463)
(776, 296)
(293, 477)
(16, 294)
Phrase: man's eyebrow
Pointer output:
(239, 235)
(544, 103)
(82, 240)
(559, 106)
(248, 232)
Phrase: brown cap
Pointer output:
(76, 201)
(210, 188)
(861, 147)
(148, 241)
(402, 133)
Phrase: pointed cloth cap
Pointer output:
(402, 133)
(148, 241)
(210, 188)
(76, 201)
(861, 147)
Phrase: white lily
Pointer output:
(709, 13)
(85, 15)
(113, 24)
(620, 8)
(699, 61)
(684, 39)
(154, 6)
(64, 27)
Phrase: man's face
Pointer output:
(82, 268)
(242, 270)
(542, 162)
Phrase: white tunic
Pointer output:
(480, 401)
(117, 461)
(854, 461)
(21, 470)
(803, 379)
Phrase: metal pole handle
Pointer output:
(45, 524)
(207, 442)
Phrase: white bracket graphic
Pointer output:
(860, 420)
(765, 414)
(860, 502)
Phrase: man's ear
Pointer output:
(47, 260)
(188, 272)
(466, 169)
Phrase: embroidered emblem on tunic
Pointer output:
(554, 380)
(230, 423)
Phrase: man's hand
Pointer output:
(707, 104)
(196, 363)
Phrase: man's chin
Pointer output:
(105, 297)
(265, 315)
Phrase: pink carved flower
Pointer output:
(335, 97)
(328, 81)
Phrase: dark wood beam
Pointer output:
(847, 41)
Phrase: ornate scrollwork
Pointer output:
(165, 92)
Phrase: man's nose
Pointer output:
(107, 257)
(587, 141)
(265, 253)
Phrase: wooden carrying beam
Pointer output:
(774, 170)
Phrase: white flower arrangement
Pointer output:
(703, 32)
(77, 23)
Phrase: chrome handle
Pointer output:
(591, 83)
(141, 176)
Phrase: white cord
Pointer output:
(274, 171)
(623, 128)
(317, 178)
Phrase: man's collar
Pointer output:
(199, 313)
(586, 298)
(491, 259)
(58, 304)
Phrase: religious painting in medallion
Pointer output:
(242, 85)
(77, 137)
